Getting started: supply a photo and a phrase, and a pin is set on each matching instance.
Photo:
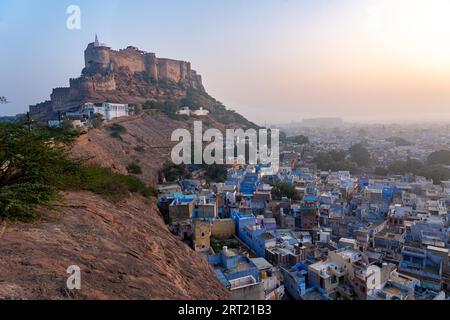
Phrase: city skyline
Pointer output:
(359, 60)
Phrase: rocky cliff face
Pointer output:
(124, 250)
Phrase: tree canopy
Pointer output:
(335, 160)
(285, 190)
(440, 157)
(216, 173)
(360, 155)
(398, 141)
(437, 173)
(300, 139)
(35, 165)
(173, 172)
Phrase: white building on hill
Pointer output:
(186, 111)
(200, 112)
(108, 110)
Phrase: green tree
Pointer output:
(337, 155)
(97, 120)
(117, 130)
(134, 168)
(35, 165)
(440, 157)
(335, 160)
(397, 167)
(409, 166)
(216, 173)
(381, 171)
(301, 139)
(30, 164)
(360, 155)
(285, 190)
(413, 166)
(399, 141)
(437, 173)
(173, 172)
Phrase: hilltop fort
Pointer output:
(126, 76)
(101, 59)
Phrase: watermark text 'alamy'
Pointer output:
(244, 147)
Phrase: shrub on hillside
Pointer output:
(117, 130)
(35, 165)
(97, 120)
(173, 172)
(134, 168)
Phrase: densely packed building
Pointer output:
(345, 237)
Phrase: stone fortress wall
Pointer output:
(134, 60)
(102, 65)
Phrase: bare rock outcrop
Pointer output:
(124, 250)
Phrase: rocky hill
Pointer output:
(145, 141)
(124, 250)
(135, 77)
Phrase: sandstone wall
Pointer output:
(104, 84)
(223, 228)
(169, 70)
(101, 80)
(58, 97)
(134, 61)
(89, 85)
(130, 59)
(41, 111)
(151, 63)
(97, 55)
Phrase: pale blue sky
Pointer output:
(271, 60)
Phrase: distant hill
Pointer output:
(9, 119)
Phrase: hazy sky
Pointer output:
(272, 60)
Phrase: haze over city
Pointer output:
(233, 157)
(360, 60)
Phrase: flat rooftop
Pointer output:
(261, 263)
(243, 282)
(350, 254)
